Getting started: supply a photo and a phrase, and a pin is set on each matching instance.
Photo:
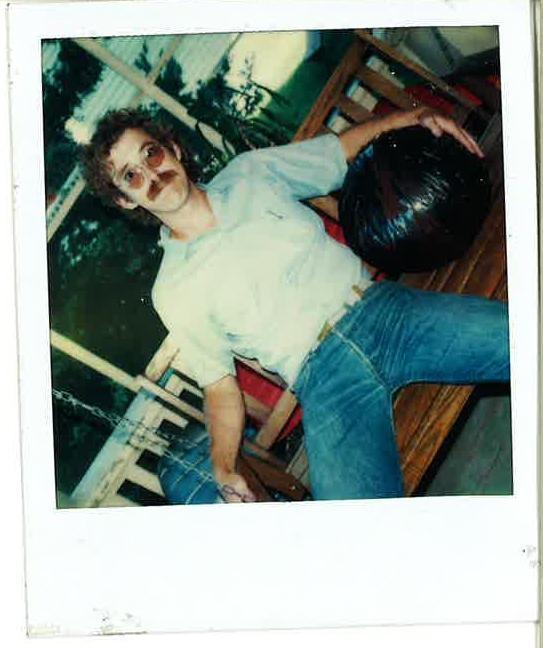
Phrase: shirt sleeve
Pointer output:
(204, 350)
(305, 169)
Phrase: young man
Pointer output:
(248, 268)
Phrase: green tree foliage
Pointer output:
(235, 111)
(74, 75)
(307, 81)
(101, 272)
(78, 434)
(206, 159)
(142, 62)
(171, 80)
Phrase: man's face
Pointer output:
(148, 174)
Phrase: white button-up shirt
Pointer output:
(264, 280)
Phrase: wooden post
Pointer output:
(58, 216)
(93, 361)
(161, 359)
(108, 470)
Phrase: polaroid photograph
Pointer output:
(277, 296)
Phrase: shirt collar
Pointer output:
(165, 238)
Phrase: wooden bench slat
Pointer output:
(410, 409)
(171, 399)
(386, 88)
(391, 53)
(255, 409)
(173, 417)
(353, 110)
(324, 130)
(331, 91)
(252, 448)
(161, 359)
(278, 480)
(327, 205)
(423, 446)
(299, 466)
(144, 478)
(277, 420)
(422, 280)
(154, 443)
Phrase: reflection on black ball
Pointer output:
(413, 202)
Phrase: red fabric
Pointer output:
(334, 229)
(266, 392)
(424, 95)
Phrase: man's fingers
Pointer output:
(230, 495)
(476, 148)
(249, 496)
(438, 124)
(432, 124)
(236, 490)
(461, 135)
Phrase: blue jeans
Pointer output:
(392, 337)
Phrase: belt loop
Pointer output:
(357, 292)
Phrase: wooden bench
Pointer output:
(424, 414)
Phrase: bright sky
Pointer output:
(276, 55)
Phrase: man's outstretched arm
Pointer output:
(225, 418)
(356, 138)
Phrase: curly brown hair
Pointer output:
(108, 132)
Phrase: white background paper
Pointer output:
(424, 560)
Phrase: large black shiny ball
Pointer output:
(413, 202)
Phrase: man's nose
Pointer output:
(150, 174)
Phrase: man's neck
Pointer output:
(193, 219)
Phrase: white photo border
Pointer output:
(326, 564)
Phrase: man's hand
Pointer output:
(225, 415)
(357, 137)
(439, 124)
(233, 488)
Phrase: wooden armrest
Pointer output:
(392, 54)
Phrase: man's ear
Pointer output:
(125, 203)
(177, 151)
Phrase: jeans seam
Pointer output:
(303, 376)
(353, 348)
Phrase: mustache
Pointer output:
(156, 186)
